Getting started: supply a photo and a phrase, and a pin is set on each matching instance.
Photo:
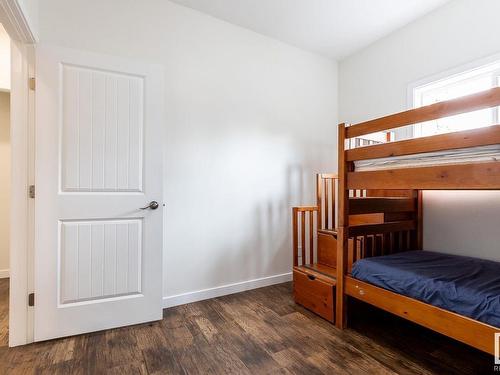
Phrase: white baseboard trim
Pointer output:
(200, 295)
(4, 274)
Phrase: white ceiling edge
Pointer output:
(333, 28)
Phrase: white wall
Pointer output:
(4, 182)
(374, 82)
(249, 122)
(4, 60)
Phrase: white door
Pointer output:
(98, 256)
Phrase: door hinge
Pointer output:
(31, 299)
(32, 83)
(31, 191)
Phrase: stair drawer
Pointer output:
(314, 294)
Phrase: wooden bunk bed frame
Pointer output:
(465, 176)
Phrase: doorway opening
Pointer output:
(5, 183)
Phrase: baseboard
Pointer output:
(4, 274)
(200, 295)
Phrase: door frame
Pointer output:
(22, 139)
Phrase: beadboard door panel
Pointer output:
(98, 157)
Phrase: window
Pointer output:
(465, 83)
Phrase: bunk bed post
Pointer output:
(342, 231)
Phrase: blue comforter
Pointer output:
(465, 285)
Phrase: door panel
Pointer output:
(102, 130)
(98, 161)
(100, 259)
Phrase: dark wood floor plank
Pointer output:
(261, 331)
(161, 360)
(4, 312)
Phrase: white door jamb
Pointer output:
(22, 175)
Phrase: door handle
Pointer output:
(153, 205)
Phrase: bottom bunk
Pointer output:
(456, 296)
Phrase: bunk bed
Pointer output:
(455, 296)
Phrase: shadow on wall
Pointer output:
(275, 223)
(267, 244)
(268, 241)
(236, 224)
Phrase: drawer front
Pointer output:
(313, 294)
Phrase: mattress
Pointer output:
(464, 285)
(461, 155)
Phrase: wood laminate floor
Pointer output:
(256, 332)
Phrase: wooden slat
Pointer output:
(311, 237)
(474, 102)
(380, 205)
(420, 222)
(327, 209)
(366, 219)
(295, 235)
(352, 255)
(469, 138)
(370, 229)
(471, 176)
(319, 200)
(306, 208)
(334, 221)
(303, 236)
(404, 193)
(461, 328)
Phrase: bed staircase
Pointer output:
(315, 250)
(315, 238)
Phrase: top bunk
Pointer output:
(467, 160)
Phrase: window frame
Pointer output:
(473, 68)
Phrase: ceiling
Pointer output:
(334, 28)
